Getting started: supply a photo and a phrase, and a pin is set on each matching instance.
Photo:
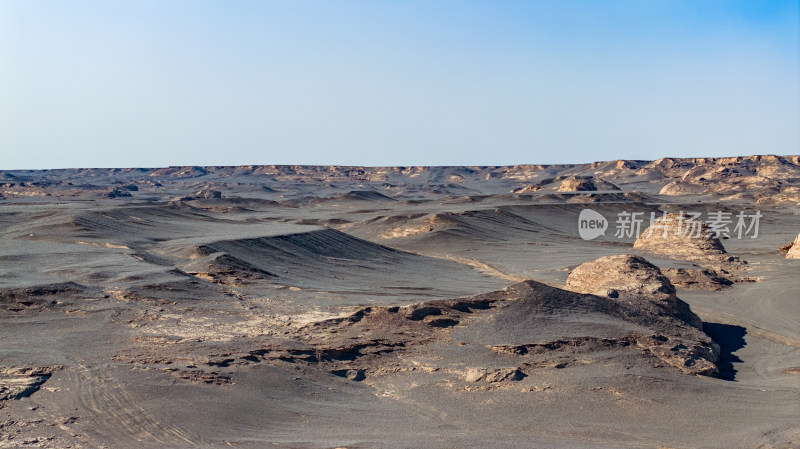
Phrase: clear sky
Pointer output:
(380, 82)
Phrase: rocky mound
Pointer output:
(484, 341)
(539, 325)
(794, 250)
(568, 184)
(584, 184)
(702, 278)
(673, 236)
(117, 192)
(577, 185)
(627, 277)
(677, 188)
(670, 235)
(206, 194)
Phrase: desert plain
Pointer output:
(407, 307)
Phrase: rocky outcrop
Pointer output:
(528, 327)
(699, 278)
(584, 184)
(569, 184)
(20, 382)
(673, 235)
(117, 192)
(676, 237)
(577, 185)
(493, 375)
(676, 188)
(203, 194)
(794, 250)
(627, 277)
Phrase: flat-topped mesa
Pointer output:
(626, 277)
(794, 250)
(674, 235)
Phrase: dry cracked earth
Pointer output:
(436, 307)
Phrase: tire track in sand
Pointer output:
(123, 420)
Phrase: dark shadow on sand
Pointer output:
(730, 339)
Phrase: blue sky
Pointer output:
(192, 82)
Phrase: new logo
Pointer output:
(591, 224)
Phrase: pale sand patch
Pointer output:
(102, 245)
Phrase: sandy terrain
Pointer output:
(324, 307)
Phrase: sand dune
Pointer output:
(332, 261)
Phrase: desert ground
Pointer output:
(407, 307)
